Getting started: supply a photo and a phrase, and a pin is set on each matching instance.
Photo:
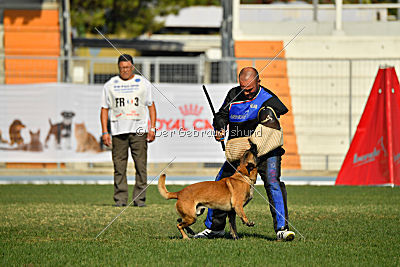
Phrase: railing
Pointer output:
(325, 162)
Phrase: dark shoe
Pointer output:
(207, 233)
(140, 205)
(119, 205)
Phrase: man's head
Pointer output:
(125, 66)
(249, 82)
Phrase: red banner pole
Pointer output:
(387, 90)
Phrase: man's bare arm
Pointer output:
(106, 137)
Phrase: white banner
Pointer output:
(35, 116)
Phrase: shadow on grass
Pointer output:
(111, 205)
(103, 205)
(114, 206)
(229, 237)
(260, 236)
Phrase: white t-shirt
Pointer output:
(122, 126)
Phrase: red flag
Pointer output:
(374, 154)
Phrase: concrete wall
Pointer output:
(321, 91)
(253, 29)
(324, 72)
(343, 46)
(323, 67)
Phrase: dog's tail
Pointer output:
(163, 190)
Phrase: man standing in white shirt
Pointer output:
(126, 97)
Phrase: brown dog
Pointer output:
(229, 194)
(15, 132)
(61, 129)
(35, 145)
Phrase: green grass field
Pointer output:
(57, 225)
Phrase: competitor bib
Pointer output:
(128, 99)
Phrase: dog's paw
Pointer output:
(250, 224)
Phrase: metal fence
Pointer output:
(327, 95)
(156, 69)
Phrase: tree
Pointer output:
(127, 18)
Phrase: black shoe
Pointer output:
(119, 205)
(140, 205)
(208, 233)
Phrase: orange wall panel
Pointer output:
(258, 48)
(32, 43)
(286, 122)
(243, 63)
(17, 165)
(276, 68)
(31, 65)
(29, 80)
(30, 18)
(290, 144)
(279, 85)
(275, 78)
(30, 71)
(291, 161)
(31, 33)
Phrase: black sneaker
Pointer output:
(208, 233)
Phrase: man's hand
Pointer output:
(106, 139)
(151, 135)
(220, 135)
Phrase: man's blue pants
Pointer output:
(270, 172)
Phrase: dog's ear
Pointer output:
(253, 148)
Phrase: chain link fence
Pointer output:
(327, 96)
